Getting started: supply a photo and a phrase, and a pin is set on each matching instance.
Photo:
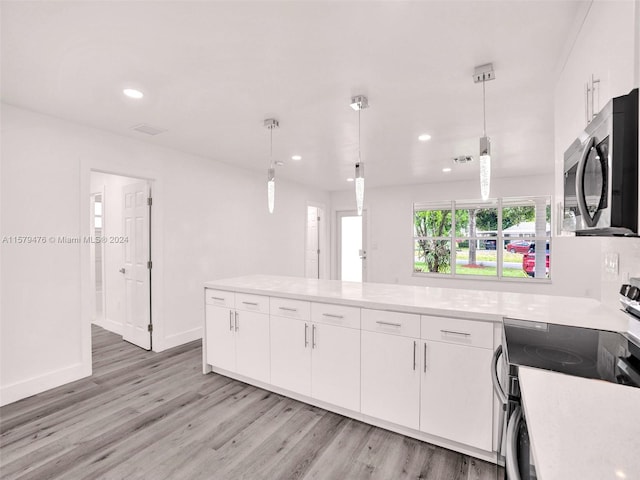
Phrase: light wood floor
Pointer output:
(145, 415)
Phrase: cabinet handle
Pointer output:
(425, 357)
(313, 336)
(237, 322)
(220, 299)
(231, 320)
(415, 345)
(253, 304)
(380, 322)
(287, 309)
(586, 103)
(451, 332)
(331, 315)
(306, 329)
(593, 95)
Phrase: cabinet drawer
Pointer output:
(219, 298)
(284, 307)
(252, 303)
(396, 323)
(335, 315)
(455, 330)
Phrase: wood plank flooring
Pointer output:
(145, 415)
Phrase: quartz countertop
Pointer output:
(449, 302)
(581, 428)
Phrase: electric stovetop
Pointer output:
(581, 352)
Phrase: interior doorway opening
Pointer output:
(352, 250)
(120, 256)
(315, 242)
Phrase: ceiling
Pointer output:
(212, 72)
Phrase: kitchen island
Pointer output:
(414, 360)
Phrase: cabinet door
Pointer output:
(220, 337)
(456, 396)
(335, 365)
(252, 345)
(390, 378)
(291, 354)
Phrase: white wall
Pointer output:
(575, 264)
(210, 221)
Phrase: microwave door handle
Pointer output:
(511, 457)
(582, 202)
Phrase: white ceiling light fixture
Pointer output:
(483, 74)
(296, 157)
(271, 124)
(133, 93)
(446, 169)
(425, 137)
(359, 103)
(349, 179)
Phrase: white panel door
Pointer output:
(291, 354)
(252, 345)
(335, 365)
(312, 252)
(352, 248)
(457, 396)
(391, 378)
(136, 271)
(220, 337)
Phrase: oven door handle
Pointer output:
(511, 458)
(494, 377)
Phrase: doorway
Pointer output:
(352, 250)
(123, 245)
(315, 241)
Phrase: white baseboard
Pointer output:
(178, 339)
(26, 388)
(109, 325)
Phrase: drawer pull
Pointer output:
(220, 299)
(287, 309)
(331, 315)
(451, 332)
(380, 322)
(415, 345)
(253, 304)
(231, 320)
(306, 329)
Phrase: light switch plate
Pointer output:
(611, 263)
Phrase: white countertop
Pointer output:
(581, 428)
(451, 302)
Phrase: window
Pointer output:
(502, 238)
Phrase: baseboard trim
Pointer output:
(31, 386)
(110, 325)
(180, 339)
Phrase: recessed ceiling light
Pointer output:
(446, 169)
(296, 157)
(349, 179)
(424, 137)
(133, 93)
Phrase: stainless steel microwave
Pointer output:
(601, 173)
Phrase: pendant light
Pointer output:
(483, 74)
(271, 124)
(359, 103)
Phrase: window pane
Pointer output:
(432, 256)
(526, 217)
(432, 223)
(536, 262)
(513, 258)
(476, 221)
(476, 256)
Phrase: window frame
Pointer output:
(499, 204)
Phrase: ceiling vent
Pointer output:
(463, 159)
(148, 129)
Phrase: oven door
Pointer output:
(518, 458)
(592, 183)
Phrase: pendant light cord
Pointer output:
(271, 147)
(359, 111)
(484, 111)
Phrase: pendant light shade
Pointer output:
(271, 124)
(359, 181)
(359, 103)
(483, 74)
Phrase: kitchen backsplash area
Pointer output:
(628, 265)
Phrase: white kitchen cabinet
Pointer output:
(236, 328)
(335, 365)
(390, 378)
(456, 400)
(291, 354)
(321, 360)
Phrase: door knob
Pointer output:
(122, 270)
